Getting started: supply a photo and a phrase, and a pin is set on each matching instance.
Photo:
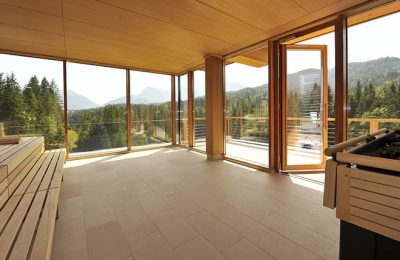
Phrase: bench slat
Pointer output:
(33, 187)
(4, 197)
(44, 238)
(30, 172)
(11, 230)
(45, 184)
(19, 173)
(5, 148)
(7, 211)
(20, 152)
(26, 235)
(56, 182)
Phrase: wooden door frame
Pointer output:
(324, 115)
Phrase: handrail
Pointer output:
(341, 146)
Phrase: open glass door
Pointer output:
(305, 90)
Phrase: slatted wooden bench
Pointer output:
(28, 216)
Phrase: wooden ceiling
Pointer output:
(158, 35)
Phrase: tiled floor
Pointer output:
(173, 204)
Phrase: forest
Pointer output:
(36, 108)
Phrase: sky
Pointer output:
(367, 41)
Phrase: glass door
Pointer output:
(305, 95)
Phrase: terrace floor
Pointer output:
(171, 203)
(257, 153)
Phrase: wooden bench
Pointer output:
(33, 181)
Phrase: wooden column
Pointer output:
(341, 80)
(173, 110)
(214, 67)
(191, 108)
(65, 109)
(274, 111)
(128, 111)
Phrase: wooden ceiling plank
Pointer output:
(312, 5)
(262, 14)
(33, 48)
(107, 16)
(52, 7)
(191, 15)
(91, 32)
(33, 36)
(24, 18)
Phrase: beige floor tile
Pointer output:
(80, 254)
(148, 200)
(244, 225)
(333, 253)
(137, 227)
(220, 235)
(69, 236)
(174, 228)
(93, 193)
(152, 203)
(316, 223)
(245, 250)
(70, 191)
(282, 248)
(183, 205)
(206, 201)
(299, 234)
(70, 208)
(107, 241)
(153, 247)
(97, 213)
(199, 249)
(248, 207)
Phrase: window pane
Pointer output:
(373, 75)
(246, 105)
(31, 98)
(200, 109)
(151, 108)
(96, 108)
(183, 109)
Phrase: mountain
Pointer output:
(376, 72)
(76, 101)
(148, 95)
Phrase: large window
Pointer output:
(200, 110)
(246, 106)
(373, 73)
(183, 110)
(31, 98)
(96, 108)
(151, 108)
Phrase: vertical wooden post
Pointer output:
(214, 67)
(65, 109)
(274, 111)
(191, 108)
(128, 110)
(341, 79)
(173, 110)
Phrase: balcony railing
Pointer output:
(256, 128)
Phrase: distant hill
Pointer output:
(148, 95)
(376, 72)
(76, 101)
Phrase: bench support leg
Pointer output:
(57, 215)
